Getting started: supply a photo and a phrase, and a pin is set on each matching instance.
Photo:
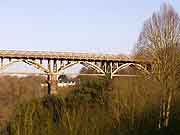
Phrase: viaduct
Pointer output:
(53, 64)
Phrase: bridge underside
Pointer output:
(54, 68)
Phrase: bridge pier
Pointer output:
(52, 84)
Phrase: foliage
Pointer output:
(90, 91)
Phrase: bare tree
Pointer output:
(159, 41)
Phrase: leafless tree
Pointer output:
(160, 41)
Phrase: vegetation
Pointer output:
(142, 105)
(160, 40)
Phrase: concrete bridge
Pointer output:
(53, 64)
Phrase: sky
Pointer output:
(101, 26)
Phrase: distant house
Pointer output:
(64, 81)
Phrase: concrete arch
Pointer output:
(95, 67)
(29, 62)
(138, 66)
(67, 66)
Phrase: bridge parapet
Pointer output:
(67, 56)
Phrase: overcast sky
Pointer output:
(74, 25)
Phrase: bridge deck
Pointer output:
(67, 56)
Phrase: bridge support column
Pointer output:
(111, 72)
(52, 84)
